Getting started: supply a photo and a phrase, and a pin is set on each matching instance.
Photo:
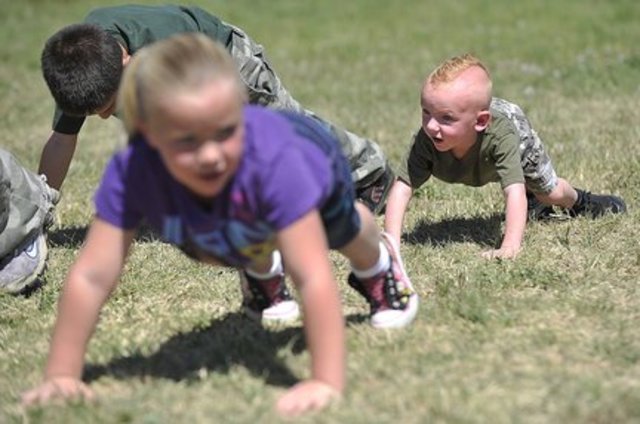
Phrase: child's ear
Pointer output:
(482, 120)
(126, 57)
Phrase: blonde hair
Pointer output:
(180, 63)
(451, 68)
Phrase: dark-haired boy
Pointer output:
(82, 65)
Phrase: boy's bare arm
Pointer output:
(56, 157)
(89, 283)
(515, 222)
(397, 203)
(304, 249)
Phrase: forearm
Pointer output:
(397, 203)
(78, 312)
(304, 249)
(512, 239)
(91, 279)
(324, 329)
(515, 216)
(56, 158)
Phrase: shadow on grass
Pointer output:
(225, 343)
(485, 231)
(231, 341)
(73, 237)
(69, 237)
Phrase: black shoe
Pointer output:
(374, 195)
(536, 210)
(596, 205)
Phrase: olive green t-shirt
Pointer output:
(135, 26)
(495, 157)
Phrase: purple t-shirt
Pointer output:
(281, 177)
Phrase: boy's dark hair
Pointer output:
(82, 65)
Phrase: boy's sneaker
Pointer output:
(393, 301)
(23, 268)
(268, 301)
(596, 205)
(53, 196)
(374, 195)
(538, 211)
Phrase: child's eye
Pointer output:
(186, 142)
(225, 133)
(425, 112)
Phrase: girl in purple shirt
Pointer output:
(233, 185)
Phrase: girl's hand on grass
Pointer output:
(307, 396)
(58, 389)
(502, 253)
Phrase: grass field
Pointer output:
(551, 337)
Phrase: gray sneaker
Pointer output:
(53, 197)
(374, 195)
(21, 269)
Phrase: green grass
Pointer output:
(550, 337)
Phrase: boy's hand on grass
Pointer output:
(307, 396)
(502, 253)
(58, 389)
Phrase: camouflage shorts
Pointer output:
(262, 83)
(26, 203)
(539, 175)
(366, 158)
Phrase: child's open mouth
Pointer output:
(211, 176)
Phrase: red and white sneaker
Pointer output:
(393, 301)
(268, 301)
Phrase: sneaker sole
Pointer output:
(284, 312)
(393, 318)
(24, 283)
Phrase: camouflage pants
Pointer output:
(365, 157)
(26, 203)
(539, 175)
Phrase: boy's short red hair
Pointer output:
(451, 68)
